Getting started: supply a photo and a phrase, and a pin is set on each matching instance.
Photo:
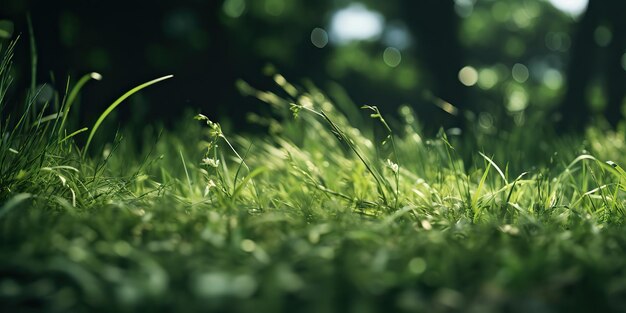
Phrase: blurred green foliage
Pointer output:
(390, 53)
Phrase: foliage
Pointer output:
(328, 212)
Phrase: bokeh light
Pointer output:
(319, 37)
(572, 7)
(468, 76)
(275, 7)
(392, 57)
(520, 73)
(464, 8)
(602, 36)
(501, 11)
(558, 41)
(522, 18)
(355, 22)
(552, 79)
(6, 29)
(487, 78)
(518, 100)
(234, 8)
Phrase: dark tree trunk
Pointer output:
(616, 74)
(584, 65)
(435, 25)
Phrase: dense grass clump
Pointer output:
(333, 210)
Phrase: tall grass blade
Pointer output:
(33, 53)
(182, 158)
(476, 195)
(72, 96)
(117, 103)
(495, 166)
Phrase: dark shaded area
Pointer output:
(600, 66)
(443, 54)
(135, 44)
(521, 59)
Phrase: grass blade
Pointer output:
(115, 105)
(72, 96)
(477, 192)
(14, 202)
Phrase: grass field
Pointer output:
(334, 209)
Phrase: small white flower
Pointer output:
(210, 184)
(509, 229)
(393, 166)
(211, 162)
(201, 117)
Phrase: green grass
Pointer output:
(333, 210)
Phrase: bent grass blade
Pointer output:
(115, 105)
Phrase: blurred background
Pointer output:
(493, 63)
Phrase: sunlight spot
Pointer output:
(319, 37)
(501, 11)
(553, 79)
(603, 36)
(487, 78)
(355, 23)
(392, 57)
(572, 7)
(468, 76)
(521, 18)
(520, 72)
(417, 266)
(518, 101)
(234, 8)
(274, 7)
(464, 8)
(248, 245)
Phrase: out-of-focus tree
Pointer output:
(596, 79)
(436, 26)
(502, 62)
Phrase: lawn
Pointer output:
(331, 209)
